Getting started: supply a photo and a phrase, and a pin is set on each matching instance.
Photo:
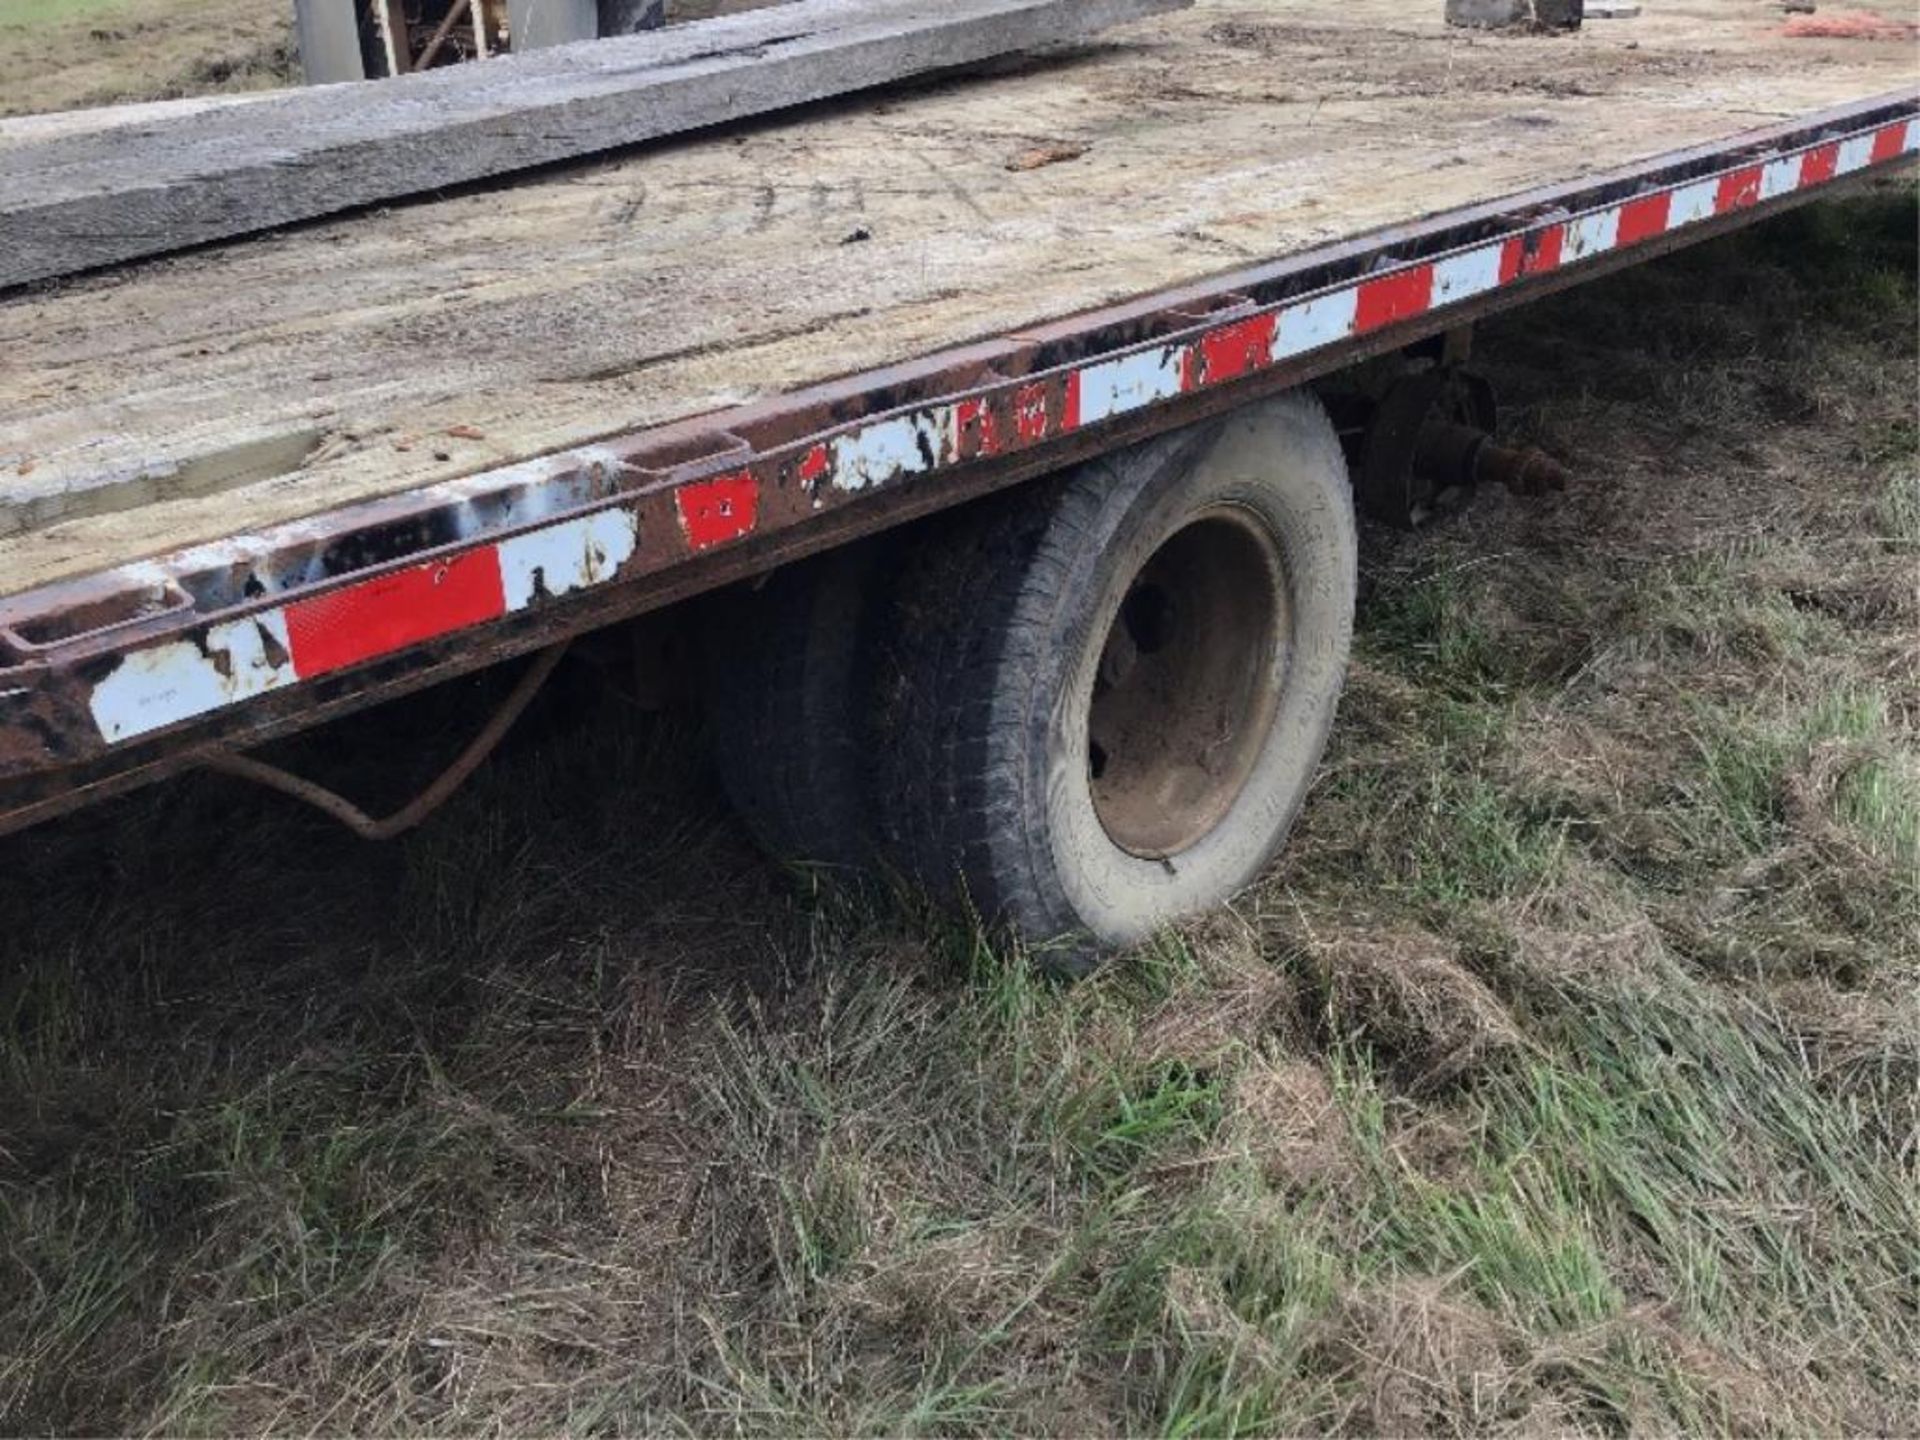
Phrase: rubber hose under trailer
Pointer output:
(1085, 708)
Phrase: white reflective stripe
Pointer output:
(1316, 322)
(1464, 276)
(1855, 154)
(1780, 177)
(566, 557)
(1115, 387)
(165, 684)
(1913, 136)
(1592, 234)
(879, 454)
(1693, 203)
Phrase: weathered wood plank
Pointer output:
(77, 202)
(246, 385)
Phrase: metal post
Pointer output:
(538, 23)
(329, 39)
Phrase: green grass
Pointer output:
(1560, 1079)
(1901, 512)
(27, 14)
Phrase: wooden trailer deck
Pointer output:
(213, 393)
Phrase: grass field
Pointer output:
(63, 54)
(1562, 1077)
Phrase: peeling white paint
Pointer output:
(884, 452)
(566, 557)
(1133, 382)
(1779, 177)
(1855, 154)
(1460, 277)
(1324, 320)
(1592, 235)
(152, 689)
(1693, 203)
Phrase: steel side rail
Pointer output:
(113, 679)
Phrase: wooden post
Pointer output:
(482, 29)
(391, 16)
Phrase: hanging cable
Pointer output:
(245, 767)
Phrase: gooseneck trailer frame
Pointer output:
(117, 678)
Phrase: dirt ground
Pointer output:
(1561, 1078)
(65, 54)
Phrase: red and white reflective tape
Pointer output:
(931, 438)
(233, 661)
(305, 639)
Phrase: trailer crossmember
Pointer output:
(121, 676)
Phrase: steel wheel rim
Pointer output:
(1189, 682)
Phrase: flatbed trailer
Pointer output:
(252, 488)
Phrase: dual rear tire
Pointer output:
(1087, 707)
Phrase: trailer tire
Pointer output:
(782, 676)
(1102, 700)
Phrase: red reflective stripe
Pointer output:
(1231, 352)
(975, 436)
(1513, 256)
(1645, 218)
(1532, 254)
(1070, 421)
(1030, 413)
(712, 512)
(1820, 164)
(380, 616)
(1889, 143)
(815, 464)
(1738, 190)
(1394, 297)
